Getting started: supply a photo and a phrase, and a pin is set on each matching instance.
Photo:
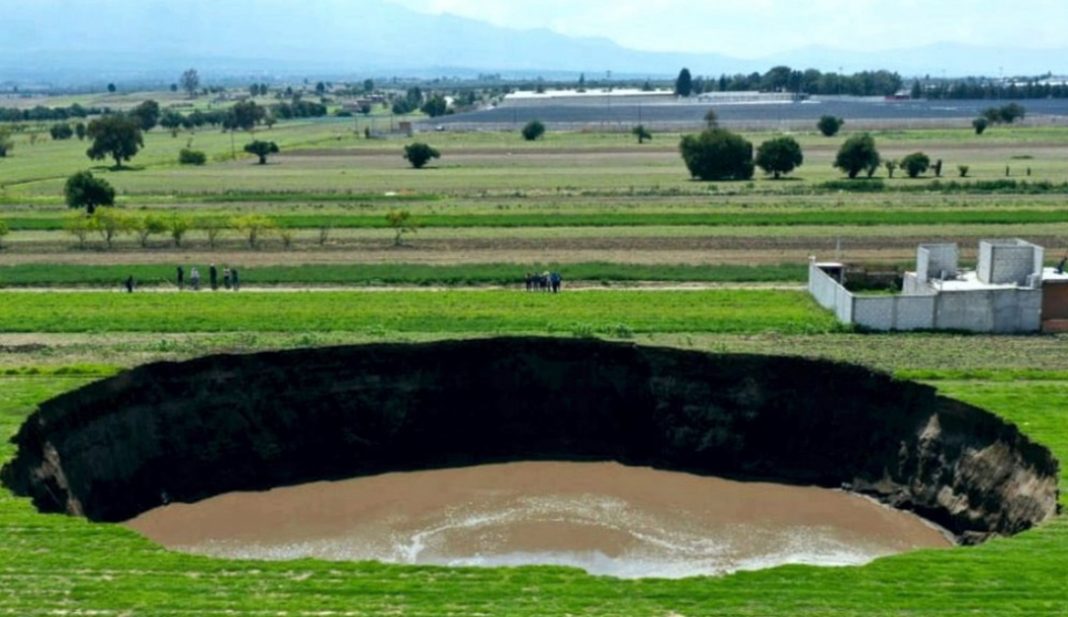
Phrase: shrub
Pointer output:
(829, 125)
(401, 223)
(641, 133)
(192, 157)
(980, 124)
(177, 226)
(419, 154)
(61, 131)
(533, 131)
(916, 164)
(963, 170)
(111, 223)
(78, 225)
(6, 143)
(253, 226)
(858, 154)
(891, 166)
(5, 229)
(779, 156)
(717, 154)
(148, 225)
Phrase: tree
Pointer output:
(115, 136)
(262, 149)
(419, 154)
(172, 121)
(79, 226)
(891, 166)
(916, 164)
(533, 130)
(177, 227)
(82, 190)
(980, 124)
(829, 125)
(148, 225)
(684, 83)
(779, 156)
(212, 226)
(641, 133)
(963, 170)
(6, 143)
(61, 131)
(79, 131)
(112, 88)
(190, 82)
(435, 106)
(147, 113)
(110, 223)
(717, 154)
(857, 154)
(1011, 113)
(368, 86)
(253, 226)
(4, 230)
(244, 115)
(711, 119)
(401, 223)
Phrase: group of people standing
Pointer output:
(230, 279)
(546, 281)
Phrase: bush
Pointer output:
(829, 125)
(4, 230)
(61, 131)
(963, 170)
(192, 157)
(779, 156)
(916, 164)
(641, 133)
(717, 154)
(858, 154)
(533, 131)
(980, 124)
(419, 154)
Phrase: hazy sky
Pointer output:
(753, 28)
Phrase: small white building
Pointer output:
(1009, 292)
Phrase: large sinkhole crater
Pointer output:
(185, 432)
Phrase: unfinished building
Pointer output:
(1009, 292)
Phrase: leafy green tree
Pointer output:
(112, 88)
(79, 131)
(1011, 113)
(147, 113)
(148, 225)
(177, 227)
(78, 225)
(419, 154)
(262, 149)
(172, 121)
(244, 116)
(891, 167)
(684, 83)
(717, 154)
(111, 223)
(857, 154)
(82, 190)
(435, 106)
(115, 136)
(916, 164)
(533, 131)
(6, 143)
(253, 226)
(368, 86)
(963, 170)
(829, 125)
(213, 227)
(779, 156)
(61, 131)
(980, 124)
(401, 222)
(641, 133)
(190, 82)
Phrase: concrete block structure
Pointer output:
(1009, 292)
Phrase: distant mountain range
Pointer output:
(76, 41)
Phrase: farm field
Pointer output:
(648, 256)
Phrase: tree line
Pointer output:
(786, 79)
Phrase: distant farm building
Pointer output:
(588, 97)
(1009, 292)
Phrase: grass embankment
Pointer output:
(55, 564)
(581, 313)
(68, 275)
(776, 218)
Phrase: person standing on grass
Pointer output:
(194, 278)
(213, 277)
(226, 278)
(234, 280)
(129, 284)
(554, 282)
(181, 278)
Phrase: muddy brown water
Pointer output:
(602, 517)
